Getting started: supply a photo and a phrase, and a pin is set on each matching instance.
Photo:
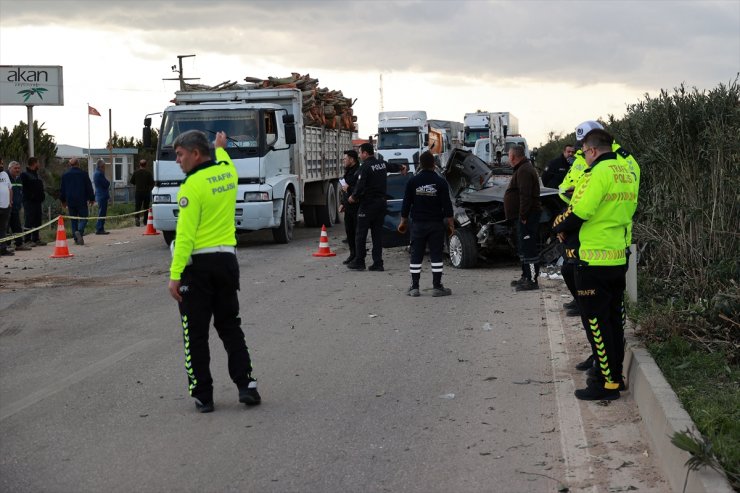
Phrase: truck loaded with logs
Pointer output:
(286, 138)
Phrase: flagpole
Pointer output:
(110, 155)
(88, 137)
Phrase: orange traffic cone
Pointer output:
(150, 225)
(324, 250)
(60, 247)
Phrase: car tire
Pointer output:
(462, 249)
(168, 236)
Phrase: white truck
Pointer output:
(482, 149)
(402, 136)
(288, 171)
(493, 125)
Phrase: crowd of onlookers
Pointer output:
(22, 195)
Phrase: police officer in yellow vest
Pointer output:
(567, 187)
(600, 214)
(204, 275)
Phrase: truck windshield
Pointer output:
(240, 126)
(398, 140)
(473, 134)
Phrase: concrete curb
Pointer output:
(664, 415)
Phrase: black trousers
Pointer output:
(568, 271)
(141, 201)
(370, 218)
(15, 227)
(423, 235)
(32, 212)
(600, 292)
(350, 227)
(528, 237)
(527, 241)
(209, 289)
(4, 221)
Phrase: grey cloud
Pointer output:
(648, 43)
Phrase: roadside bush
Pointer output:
(686, 225)
(687, 222)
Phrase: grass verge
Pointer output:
(709, 389)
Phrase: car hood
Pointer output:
(465, 170)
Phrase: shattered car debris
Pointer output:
(477, 193)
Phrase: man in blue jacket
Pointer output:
(102, 195)
(76, 193)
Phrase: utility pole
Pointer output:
(381, 91)
(179, 71)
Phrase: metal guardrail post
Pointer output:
(631, 277)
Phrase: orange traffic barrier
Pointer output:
(150, 225)
(324, 250)
(61, 250)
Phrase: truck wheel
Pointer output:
(463, 250)
(284, 232)
(168, 236)
(326, 214)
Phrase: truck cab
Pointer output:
(475, 126)
(482, 150)
(402, 136)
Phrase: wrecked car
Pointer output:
(481, 228)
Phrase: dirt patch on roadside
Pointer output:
(35, 268)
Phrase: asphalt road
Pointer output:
(364, 388)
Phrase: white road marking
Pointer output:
(573, 441)
(78, 376)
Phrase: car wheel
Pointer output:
(463, 250)
(284, 232)
(168, 237)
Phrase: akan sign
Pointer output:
(31, 85)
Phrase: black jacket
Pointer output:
(33, 187)
(372, 183)
(555, 172)
(427, 197)
(350, 176)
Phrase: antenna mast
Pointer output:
(179, 71)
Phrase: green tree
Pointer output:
(14, 144)
(118, 141)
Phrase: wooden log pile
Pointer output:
(321, 107)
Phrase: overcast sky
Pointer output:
(551, 63)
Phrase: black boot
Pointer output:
(530, 283)
(356, 264)
(524, 276)
(586, 364)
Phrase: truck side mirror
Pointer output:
(289, 124)
(506, 130)
(146, 137)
